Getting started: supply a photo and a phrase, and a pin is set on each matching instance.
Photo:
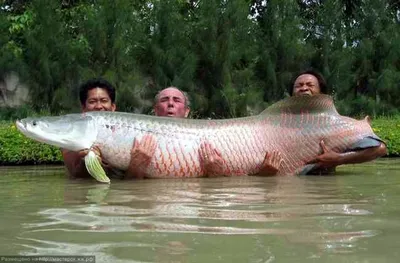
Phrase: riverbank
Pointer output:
(16, 149)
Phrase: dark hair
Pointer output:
(321, 81)
(96, 83)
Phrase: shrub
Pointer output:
(15, 148)
(388, 129)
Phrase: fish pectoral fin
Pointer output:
(94, 168)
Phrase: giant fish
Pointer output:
(293, 126)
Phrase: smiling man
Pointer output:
(94, 95)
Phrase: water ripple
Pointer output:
(173, 218)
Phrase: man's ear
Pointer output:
(113, 107)
(187, 111)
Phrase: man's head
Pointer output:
(97, 95)
(308, 83)
(171, 102)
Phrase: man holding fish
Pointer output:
(94, 95)
(99, 95)
(181, 147)
(310, 83)
(172, 102)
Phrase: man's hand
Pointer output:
(141, 155)
(211, 160)
(327, 159)
(96, 150)
(84, 152)
(272, 163)
(75, 164)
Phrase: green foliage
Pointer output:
(9, 113)
(15, 148)
(364, 105)
(15, 113)
(232, 57)
(388, 129)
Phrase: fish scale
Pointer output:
(294, 127)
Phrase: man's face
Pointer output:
(306, 85)
(98, 100)
(171, 103)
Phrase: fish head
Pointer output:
(73, 132)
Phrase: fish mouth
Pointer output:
(20, 125)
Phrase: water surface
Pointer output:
(351, 217)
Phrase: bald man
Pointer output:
(172, 102)
(169, 102)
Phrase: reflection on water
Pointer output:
(351, 217)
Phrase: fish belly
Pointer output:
(241, 145)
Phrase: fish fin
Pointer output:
(368, 119)
(320, 103)
(94, 168)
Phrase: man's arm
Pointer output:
(330, 158)
(74, 163)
